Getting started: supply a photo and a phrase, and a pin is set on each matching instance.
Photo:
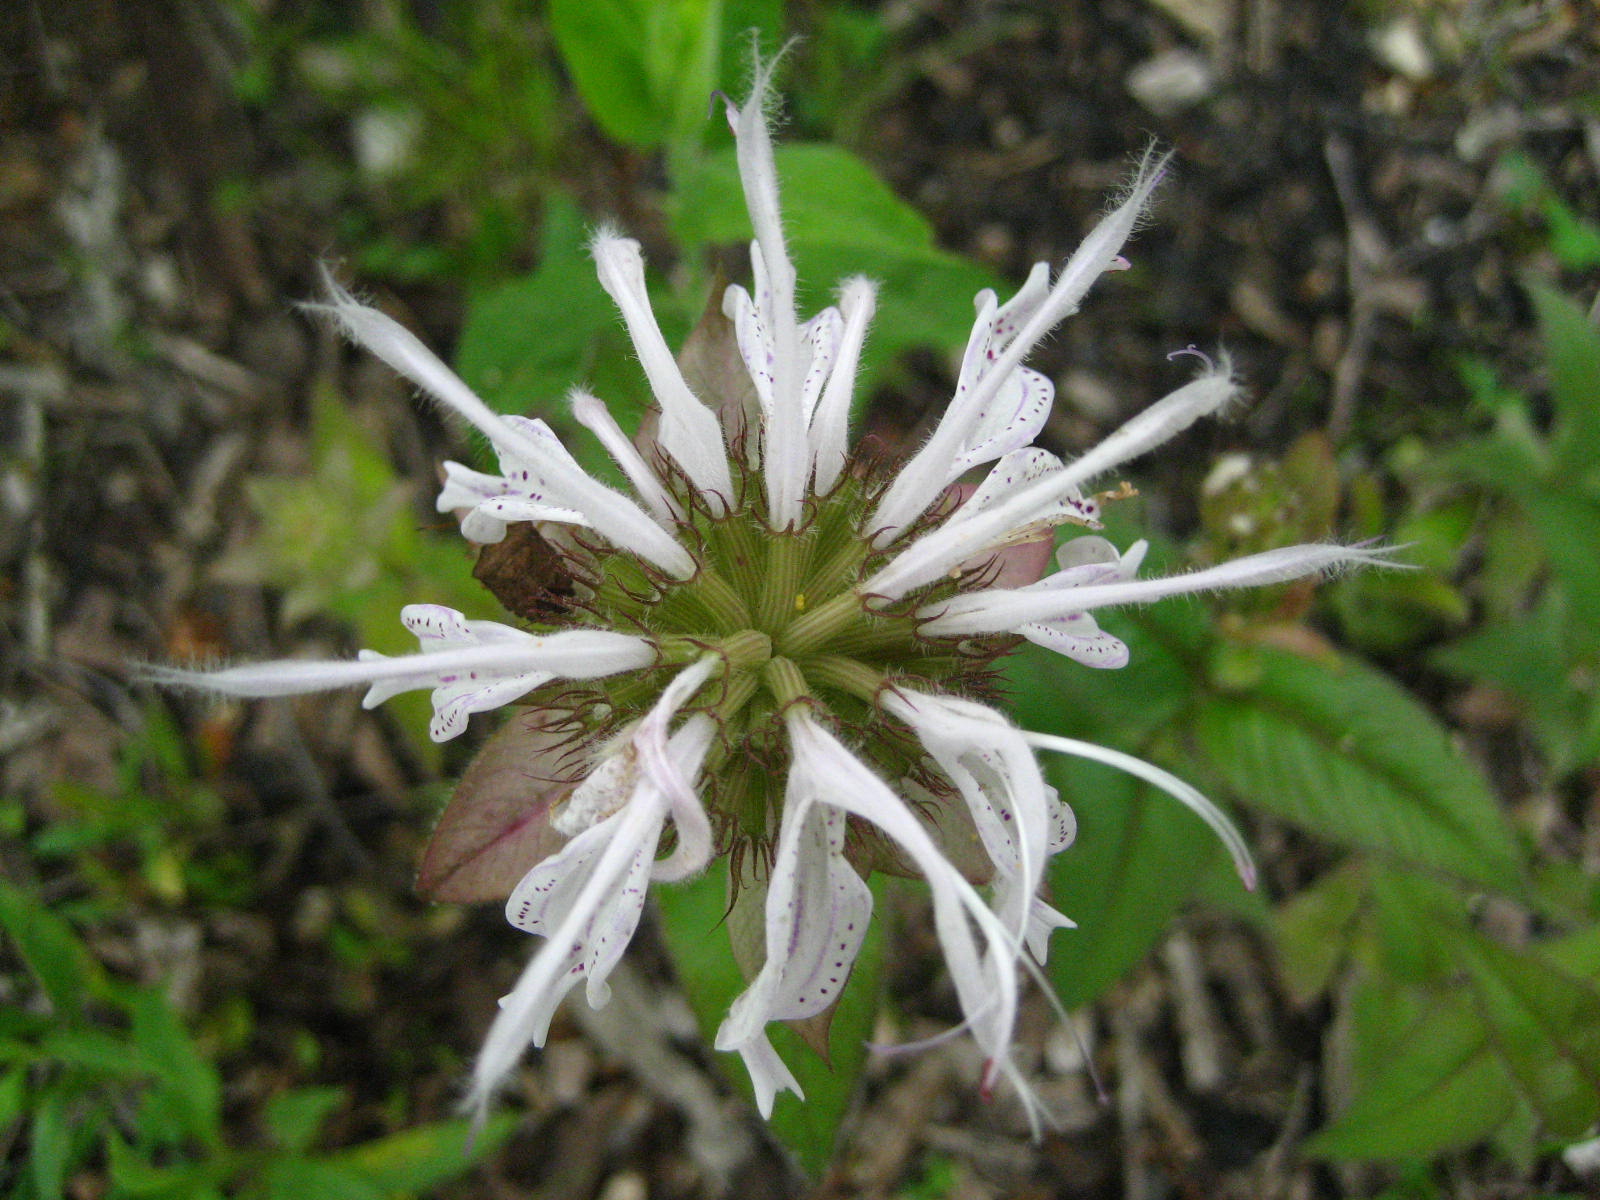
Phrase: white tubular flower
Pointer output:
(1059, 597)
(1037, 489)
(472, 666)
(520, 492)
(611, 514)
(784, 611)
(816, 917)
(982, 423)
(586, 901)
(980, 952)
(1018, 816)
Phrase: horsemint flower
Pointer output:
(779, 652)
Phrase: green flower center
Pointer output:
(781, 610)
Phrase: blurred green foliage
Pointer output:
(111, 1086)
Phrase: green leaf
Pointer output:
(1544, 1025)
(13, 1096)
(58, 960)
(1314, 930)
(1437, 1089)
(298, 1178)
(1569, 526)
(645, 68)
(294, 1117)
(420, 1159)
(1539, 660)
(1336, 748)
(1572, 356)
(95, 1052)
(50, 1136)
(133, 1177)
(191, 1091)
(706, 967)
(524, 343)
(1496, 1042)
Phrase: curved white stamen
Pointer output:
(1190, 797)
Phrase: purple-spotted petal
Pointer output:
(1078, 637)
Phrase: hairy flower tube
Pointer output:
(780, 652)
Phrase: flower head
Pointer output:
(773, 652)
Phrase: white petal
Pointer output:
(689, 431)
(581, 898)
(819, 341)
(769, 1075)
(597, 419)
(1079, 638)
(671, 765)
(830, 422)
(817, 911)
(1011, 420)
(786, 460)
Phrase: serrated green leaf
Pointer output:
(1336, 748)
(1414, 918)
(1501, 1043)
(1437, 1088)
(691, 914)
(1544, 1025)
